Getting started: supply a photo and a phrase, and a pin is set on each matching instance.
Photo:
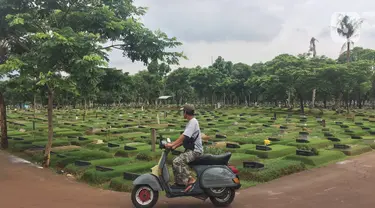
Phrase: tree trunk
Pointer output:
(224, 98)
(313, 98)
(85, 111)
(348, 51)
(302, 105)
(34, 108)
(325, 103)
(34, 104)
(347, 105)
(337, 101)
(47, 152)
(3, 123)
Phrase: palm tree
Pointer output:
(313, 49)
(347, 27)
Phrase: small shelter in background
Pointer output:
(164, 99)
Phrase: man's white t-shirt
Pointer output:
(192, 130)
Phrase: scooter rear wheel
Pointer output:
(144, 197)
(225, 200)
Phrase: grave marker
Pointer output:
(263, 148)
(341, 146)
(153, 139)
(305, 152)
(253, 165)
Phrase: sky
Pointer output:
(250, 31)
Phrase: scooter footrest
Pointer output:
(177, 188)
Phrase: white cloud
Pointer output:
(249, 31)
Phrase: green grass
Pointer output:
(237, 159)
(324, 157)
(357, 150)
(120, 184)
(313, 143)
(272, 169)
(281, 160)
(277, 151)
(93, 176)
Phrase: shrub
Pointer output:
(86, 155)
(324, 157)
(213, 150)
(237, 159)
(277, 151)
(273, 169)
(317, 143)
(357, 150)
(119, 184)
(97, 177)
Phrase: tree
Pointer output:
(178, 84)
(312, 47)
(347, 27)
(63, 34)
(87, 77)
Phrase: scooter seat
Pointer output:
(210, 159)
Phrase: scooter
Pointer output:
(215, 180)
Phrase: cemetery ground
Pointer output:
(110, 148)
(346, 184)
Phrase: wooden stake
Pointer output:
(153, 139)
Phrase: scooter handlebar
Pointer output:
(162, 144)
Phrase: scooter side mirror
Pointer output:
(162, 144)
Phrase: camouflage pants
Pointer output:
(180, 166)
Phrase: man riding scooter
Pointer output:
(191, 140)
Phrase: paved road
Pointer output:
(348, 184)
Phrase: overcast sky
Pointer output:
(250, 31)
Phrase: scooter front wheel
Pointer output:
(225, 200)
(144, 197)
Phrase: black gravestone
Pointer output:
(113, 145)
(230, 145)
(103, 169)
(82, 163)
(253, 165)
(356, 137)
(341, 146)
(130, 176)
(129, 148)
(273, 139)
(304, 153)
(263, 148)
(334, 139)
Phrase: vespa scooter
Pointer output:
(215, 180)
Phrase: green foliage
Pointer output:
(97, 177)
(213, 150)
(119, 184)
(324, 157)
(273, 169)
(357, 150)
(277, 151)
